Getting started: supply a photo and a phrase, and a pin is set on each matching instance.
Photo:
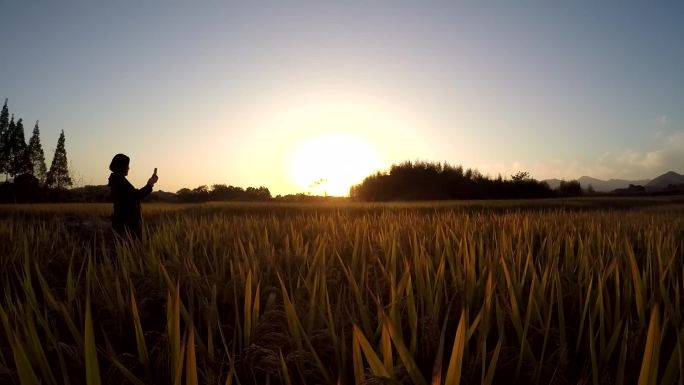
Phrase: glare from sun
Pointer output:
(330, 164)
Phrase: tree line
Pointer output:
(102, 193)
(26, 161)
(437, 181)
(222, 192)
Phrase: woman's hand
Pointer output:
(153, 179)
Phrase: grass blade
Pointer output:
(453, 376)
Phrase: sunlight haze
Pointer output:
(258, 94)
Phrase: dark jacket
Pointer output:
(126, 199)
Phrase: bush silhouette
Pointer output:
(570, 188)
(438, 181)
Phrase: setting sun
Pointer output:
(332, 163)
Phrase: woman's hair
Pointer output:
(119, 163)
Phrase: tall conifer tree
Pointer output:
(36, 155)
(58, 176)
(8, 146)
(19, 162)
(4, 118)
(4, 129)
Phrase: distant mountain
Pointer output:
(658, 183)
(610, 184)
(599, 184)
(669, 178)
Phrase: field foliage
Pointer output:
(491, 293)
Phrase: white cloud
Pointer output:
(666, 155)
(664, 119)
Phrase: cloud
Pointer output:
(664, 120)
(666, 155)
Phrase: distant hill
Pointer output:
(610, 184)
(658, 183)
(669, 178)
(599, 184)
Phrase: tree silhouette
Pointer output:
(36, 155)
(4, 128)
(58, 176)
(591, 190)
(8, 145)
(18, 160)
(435, 181)
(520, 176)
(570, 188)
(222, 192)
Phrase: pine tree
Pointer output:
(36, 155)
(8, 146)
(4, 117)
(58, 176)
(19, 162)
(4, 128)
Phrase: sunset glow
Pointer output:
(245, 94)
(331, 164)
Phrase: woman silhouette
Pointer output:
(127, 218)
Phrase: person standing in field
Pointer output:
(127, 217)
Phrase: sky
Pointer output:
(309, 96)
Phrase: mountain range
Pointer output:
(657, 183)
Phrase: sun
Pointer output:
(330, 164)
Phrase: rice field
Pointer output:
(533, 292)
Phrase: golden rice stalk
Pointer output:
(622, 364)
(173, 329)
(489, 378)
(247, 309)
(91, 364)
(284, 372)
(297, 330)
(386, 343)
(453, 376)
(649, 365)
(376, 365)
(143, 355)
(357, 362)
(404, 354)
(191, 361)
(178, 366)
(638, 284)
(27, 375)
(439, 357)
(126, 373)
(673, 370)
